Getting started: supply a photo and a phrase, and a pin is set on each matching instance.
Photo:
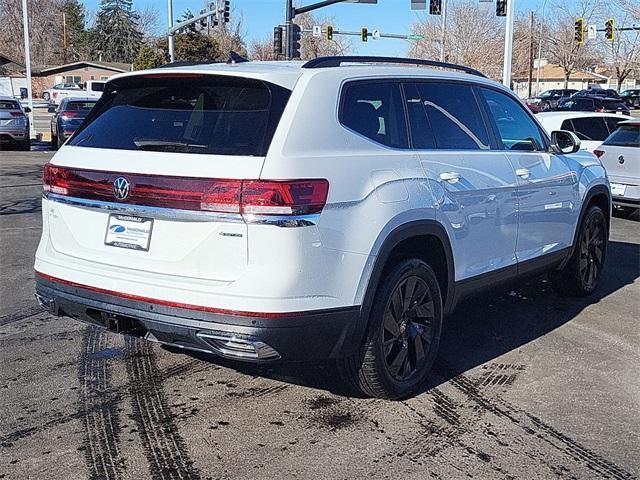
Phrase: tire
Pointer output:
(581, 275)
(546, 107)
(59, 142)
(46, 96)
(402, 340)
(54, 141)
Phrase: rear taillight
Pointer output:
(67, 115)
(600, 109)
(17, 114)
(598, 153)
(252, 197)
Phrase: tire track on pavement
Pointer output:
(164, 448)
(101, 420)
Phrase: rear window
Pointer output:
(625, 136)
(79, 106)
(9, 105)
(587, 128)
(209, 114)
(97, 87)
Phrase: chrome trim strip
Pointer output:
(153, 212)
(188, 215)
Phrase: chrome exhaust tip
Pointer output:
(44, 302)
(239, 348)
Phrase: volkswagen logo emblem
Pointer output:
(121, 188)
(621, 160)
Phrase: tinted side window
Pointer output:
(590, 128)
(375, 110)
(515, 127)
(453, 111)
(625, 136)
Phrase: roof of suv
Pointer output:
(287, 73)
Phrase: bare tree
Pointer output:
(562, 47)
(314, 47)
(474, 37)
(45, 31)
(261, 49)
(622, 55)
(149, 22)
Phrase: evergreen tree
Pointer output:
(148, 57)
(116, 35)
(187, 15)
(77, 36)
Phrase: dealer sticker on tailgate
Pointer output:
(126, 231)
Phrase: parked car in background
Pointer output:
(593, 104)
(591, 128)
(620, 155)
(631, 97)
(597, 92)
(14, 124)
(60, 91)
(534, 108)
(67, 118)
(94, 88)
(549, 100)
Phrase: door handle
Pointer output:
(523, 173)
(451, 177)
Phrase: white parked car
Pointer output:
(620, 155)
(60, 91)
(592, 128)
(295, 211)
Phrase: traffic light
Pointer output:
(609, 29)
(227, 13)
(296, 33)
(501, 8)
(364, 34)
(435, 7)
(277, 41)
(579, 31)
(329, 32)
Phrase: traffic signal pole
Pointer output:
(27, 64)
(443, 27)
(508, 44)
(172, 56)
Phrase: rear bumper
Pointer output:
(296, 336)
(9, 136)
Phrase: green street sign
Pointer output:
(415, 37)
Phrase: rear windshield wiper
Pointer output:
(163, 145)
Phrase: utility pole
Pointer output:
(544, 4)
(288, 49)
(443, 28)
(508, 45)
(27, 61)
(530, 73)
(172, 56)
(64, 37)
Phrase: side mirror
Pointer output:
(27, 110)
(563, 142)
(51, 109)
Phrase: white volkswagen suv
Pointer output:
(337, 209)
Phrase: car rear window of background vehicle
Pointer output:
(79, 106)
(587, 128)
(8, 105)
(207, 114)
(625, 136)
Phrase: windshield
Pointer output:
(548, 93)
(186, 113)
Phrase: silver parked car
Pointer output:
(14, 124)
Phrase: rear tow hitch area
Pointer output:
(121, 324)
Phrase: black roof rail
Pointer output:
(336, 61)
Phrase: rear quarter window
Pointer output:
(9, 105)
(375, 111)
(207, 114)
(587, 128)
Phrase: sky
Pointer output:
(389, 16)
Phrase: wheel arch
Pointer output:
(425, 239)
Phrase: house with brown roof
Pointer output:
(75, 72)
(552, 76)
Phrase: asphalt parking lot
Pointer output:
(527, 385)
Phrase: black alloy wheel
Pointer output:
(592, 244)
(407, 324)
